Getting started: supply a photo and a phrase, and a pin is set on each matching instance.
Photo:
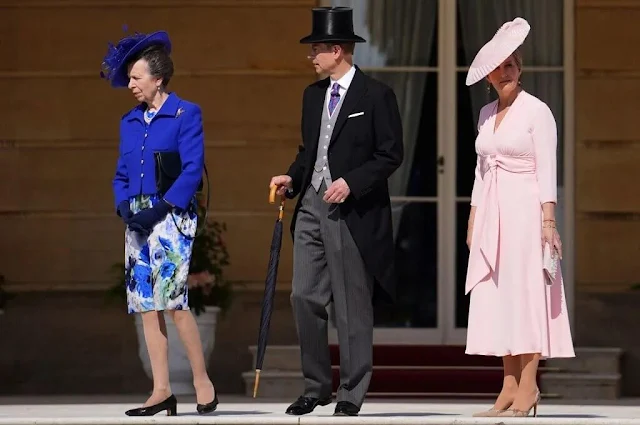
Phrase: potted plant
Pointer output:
(210, 295)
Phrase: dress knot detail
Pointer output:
(492, 162)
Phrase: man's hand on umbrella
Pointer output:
(283, 183)
(337, 192)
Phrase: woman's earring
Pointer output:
(488, 89)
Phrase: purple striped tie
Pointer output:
(335, 98)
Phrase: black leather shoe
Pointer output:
(170, 405)
(345, 408)
(203, 409)
(304, 405)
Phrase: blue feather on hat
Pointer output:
(114, 62)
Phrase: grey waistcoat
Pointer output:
(321, 167)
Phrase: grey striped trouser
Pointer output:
(327, 267)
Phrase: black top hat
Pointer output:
(332, 24)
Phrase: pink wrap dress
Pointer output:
(512, 310)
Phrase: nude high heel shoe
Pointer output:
(515, 413)
(493, 412)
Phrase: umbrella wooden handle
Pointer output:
(272, 194)
(272, 200)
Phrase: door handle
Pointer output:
(440, 162)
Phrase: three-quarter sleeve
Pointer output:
(545, 142)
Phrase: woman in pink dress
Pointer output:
(514, 312)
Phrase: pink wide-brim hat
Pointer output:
(506, 40)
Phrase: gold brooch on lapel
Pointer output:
(179, 112)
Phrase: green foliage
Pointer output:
(207, 285)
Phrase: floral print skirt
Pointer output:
(157, 266)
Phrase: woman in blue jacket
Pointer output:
(161, 222)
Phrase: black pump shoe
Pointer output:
(203, 409)
(170, 405)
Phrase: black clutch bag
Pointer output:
(168, 167)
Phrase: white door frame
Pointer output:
(446, 332)
(448, 135)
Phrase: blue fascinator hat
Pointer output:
(114, 64)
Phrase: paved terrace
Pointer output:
(238, 410)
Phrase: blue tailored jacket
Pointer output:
(177, 126)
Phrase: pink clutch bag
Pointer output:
(550, 264)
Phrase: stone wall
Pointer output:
(607, 145)
(240, 60)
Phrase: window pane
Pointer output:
(416, 93)
(470, 100)
(415, 234)
(478, 21)
(398, 33)
(462, 260)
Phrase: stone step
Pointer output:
(263, 410)
(402, 380)
(278, 358)
(592, 374)
(582, 386)
(289, 385)
(278, 384)
(287, 357)
(598, 360)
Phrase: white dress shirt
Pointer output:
(344, 83)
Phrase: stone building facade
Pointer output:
(241, 61)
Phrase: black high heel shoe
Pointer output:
(170, 405)
(203, 409)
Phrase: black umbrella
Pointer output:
(269, 288)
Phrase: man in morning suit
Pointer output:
(342, 233)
